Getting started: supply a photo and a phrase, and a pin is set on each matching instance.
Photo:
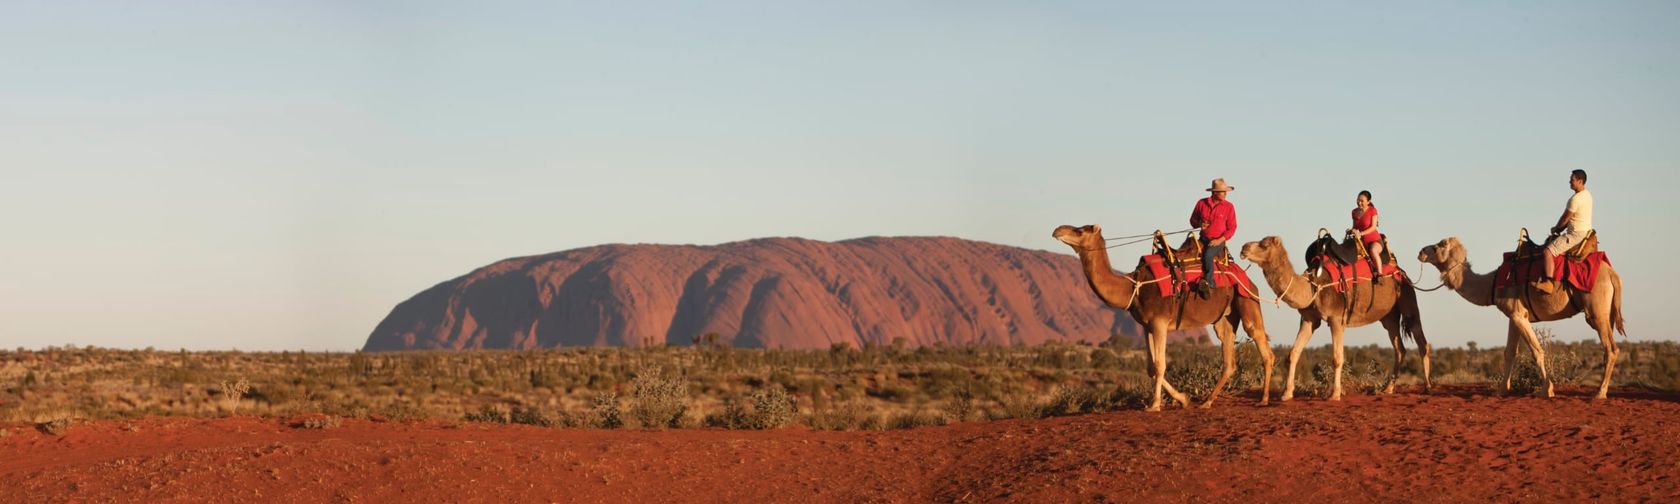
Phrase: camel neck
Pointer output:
(1115, 290)
(1280, 275)
(1473, 287)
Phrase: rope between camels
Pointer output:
(1443, 281)
(1149, 235)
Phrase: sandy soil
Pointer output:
(1457, 445)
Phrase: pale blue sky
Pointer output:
(278, 176)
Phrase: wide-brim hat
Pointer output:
(1219, 185)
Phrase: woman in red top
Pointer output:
(1365, 227)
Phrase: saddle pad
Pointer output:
(1231, 275)
(1343, 276)
(1581, 275)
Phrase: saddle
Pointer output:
(1527, 250)
(1191, 253)
(1175, 263)
(1347, 252)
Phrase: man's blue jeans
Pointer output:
(1210, 253)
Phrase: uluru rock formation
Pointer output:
(765, 293)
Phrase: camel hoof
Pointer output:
(1265, 402)
(1286, 397)
(1206, 405)
(1549, 393)
(1153, 408)
(1336, 397)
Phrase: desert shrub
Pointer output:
(232, 393)
(658, 401)
(891, 392)
(489, 413)
(917, 418)
(767, 408)
(1076, 399)
(1105, 358)
(773, 408)
(56, 426)
(960, 407)
(530, 416)
(734, 415)
(403, 411)
(1021, 406)
(604, 412)
(846, 417)
(320, 422)
(1131, 392)
(1194, 373)
(1565, 364)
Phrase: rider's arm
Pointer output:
(1563, 221)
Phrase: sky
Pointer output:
(279, 175)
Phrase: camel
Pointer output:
(1160, 314)
(1603, 307)
(1393, 303)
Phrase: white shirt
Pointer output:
(1580, 208)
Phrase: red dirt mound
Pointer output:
(1456, 446)
(766, 293)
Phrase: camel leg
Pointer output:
(1539, 352)
(1423, 351)
(1600, 319)
(1511, 336)
(1157, 368)
(1336, 332)
(1256, 329)
(1158, 347)
(1307, 326)
(1392, 324)
(1228, 351)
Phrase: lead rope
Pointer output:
(1443, 282)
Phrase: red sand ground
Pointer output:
(1456, 445)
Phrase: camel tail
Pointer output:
(1411, 320)
(1616, 304)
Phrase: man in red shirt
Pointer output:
(1217, 220)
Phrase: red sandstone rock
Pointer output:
(770, 293)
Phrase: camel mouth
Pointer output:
(1430, 254)
(1072, 236)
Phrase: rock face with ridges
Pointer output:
(765, 293)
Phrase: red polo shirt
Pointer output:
(1221, 218)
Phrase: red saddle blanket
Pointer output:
(1581, 275)
(1343, 276)
(1229, 275)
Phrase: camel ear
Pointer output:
(1096, 228)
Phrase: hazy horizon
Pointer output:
(278, 177)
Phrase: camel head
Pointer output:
(1445, 254)
(1088, 237)
(1265, 251)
